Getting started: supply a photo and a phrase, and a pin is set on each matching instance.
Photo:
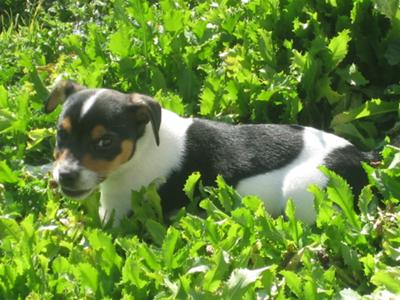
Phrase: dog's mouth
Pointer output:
(76, 193)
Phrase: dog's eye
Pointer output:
(104, 142)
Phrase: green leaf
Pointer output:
(149, 257)
(293, 281)
(168, 246)
(171, 102)
(350, 257)
(3, 97)
(119, 42)
(370, 108)
(61, 265)
(365, 199)
(340, 193)
(207, 100)
(132, 273)
(387, 7)
(212, 279)
(190, 185)
(7, 119)
(241, 280)
(173, 20)
(37, 135)
(102, 243)
(339, 47)
(6, 174)
(88, 276)
(156, 230)
(295, 227)
(9, 228)
(389, 278)
(310, 291)
(352, 76)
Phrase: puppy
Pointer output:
(122, 142)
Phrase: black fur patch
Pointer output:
(235, 152)
(110, 111)
(346, 162)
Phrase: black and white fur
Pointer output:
(274, 162)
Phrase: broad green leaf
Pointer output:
(173, 20)
(365, 199)
(393, 52)
(369, 264)
(352, 76)
(132, 273)
(227, 195)
(190, 185)
(310, 290)
(149, 256)
(61, 265)
(6, 174)
(370, 108)
(9, 228)
(387, 7)
(171, 102)
(350, 257)
(339, 46)
(351, 132)
(213, 278)
(118, 44)
(7, 118)
(37, 135)
(290, 212)
(207, 100)
(240, 280)
(388, 278)
(294, 282)
(88, 276)
(156, 230)
(267, 47)
(340, 193)
(168, 246)
(102, 242)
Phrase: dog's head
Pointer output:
(96, 133)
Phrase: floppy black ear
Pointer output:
(62, 90)
(146, 110)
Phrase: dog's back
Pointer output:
(275, 162)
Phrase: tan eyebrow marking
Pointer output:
(97, 132)
(66, 124)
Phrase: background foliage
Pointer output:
(331, 64)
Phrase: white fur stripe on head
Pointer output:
(90, 101)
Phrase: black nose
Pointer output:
(68, 177)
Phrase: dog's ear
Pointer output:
(61, 91)
(146, 109)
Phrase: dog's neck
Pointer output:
(148, 163)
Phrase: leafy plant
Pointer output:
(333, 65)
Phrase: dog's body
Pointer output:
(144, 142)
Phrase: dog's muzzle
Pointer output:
(75, 181)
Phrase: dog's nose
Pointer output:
(68, 177)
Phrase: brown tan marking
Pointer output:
(66, 124)
(104, 167)
(97, 132)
